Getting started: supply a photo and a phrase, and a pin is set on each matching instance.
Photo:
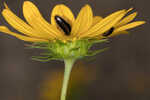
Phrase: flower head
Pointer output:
(66, 36)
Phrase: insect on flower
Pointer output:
(65, 37)
(109, 32)
(64, 30)
(63, 25)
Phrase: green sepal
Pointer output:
(43, 59)
(99, 41)
(93, 53)
(59, 50)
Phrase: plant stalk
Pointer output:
(68, 67)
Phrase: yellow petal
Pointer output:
(129, 26)
(126, 20)
(83, 21)
(6, 6)
(105, 24)
(129, 10)
(19, 24)
(21, 37)
(96, 19)
(117, 33)
(64, 12)
(35, 19)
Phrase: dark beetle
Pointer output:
(63, 25)
(110, 31)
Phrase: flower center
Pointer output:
(63, 25)
(109, 32)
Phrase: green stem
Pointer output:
(68, 67)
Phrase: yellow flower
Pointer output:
(63, 24)
(64, 36)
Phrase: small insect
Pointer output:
(110, 31)
(63, 25)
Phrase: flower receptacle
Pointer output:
(59, 50)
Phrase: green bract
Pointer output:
(59, 50)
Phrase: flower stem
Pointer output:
(68, 67)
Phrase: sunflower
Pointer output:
(63, 24)
(66, 36)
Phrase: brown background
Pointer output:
(124, 70)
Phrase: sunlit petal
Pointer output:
(118, 33)
(35, 19)
(127, 19)
(5, 5)
(105, 24)
(96, 19)
(83, 21)
(129, 26)
(21, 37)
(19, 24)
(64, 12)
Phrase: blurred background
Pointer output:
(120, 73)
